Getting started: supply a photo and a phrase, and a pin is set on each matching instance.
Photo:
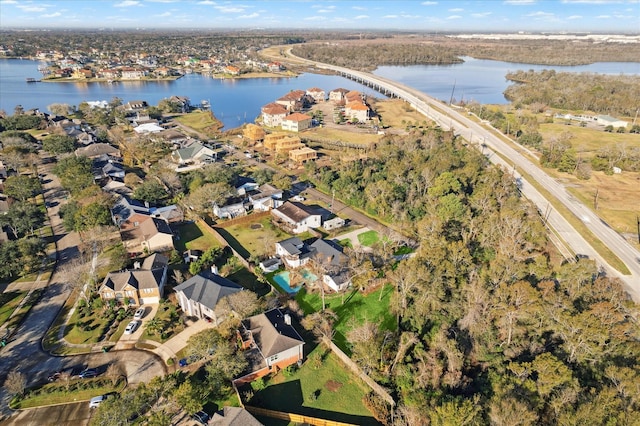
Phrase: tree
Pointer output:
(21, 187)
(15, 383)
(204, 343)
(190, 397)
(74, 173)
(241, 304)
(22, 218)
(114, 373)
(151, 191)
(203, 198)
(58, 144)
(321, 324)
(60, 109)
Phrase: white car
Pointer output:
(139, 313)
(96, 401)
(131, 327)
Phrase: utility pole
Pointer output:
(638, 221)
(595, 200)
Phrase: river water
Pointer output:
(236, 102)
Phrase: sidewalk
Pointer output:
(171, 347)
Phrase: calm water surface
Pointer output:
(483, 80)
(236, 102)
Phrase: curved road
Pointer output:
(24, 352)
(449, 118)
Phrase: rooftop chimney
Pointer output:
(214, 269)
(136, 265)
(287, 319)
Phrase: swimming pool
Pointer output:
(282, 279)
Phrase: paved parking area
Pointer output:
(76, 414)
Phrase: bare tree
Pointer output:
(321, 324)
(77, 274)
(241, 304)
(114, 373)
(15, 383)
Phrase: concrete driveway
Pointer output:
(60, 415)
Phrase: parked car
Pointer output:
(201, 417)
(131, 327)
(298, 198)
(54, 376)
(88, 373)
(139, 313)
(96, 401)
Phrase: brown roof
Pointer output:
(97, 149)
(294, 95)
(357, 106)
(297, 116)
(294, 211)
(140, 225)
(274, 109)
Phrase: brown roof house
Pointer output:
(296, 122)
(143, 284)
(296, 218)
(199, 295)
(295, 100)
(271, 343)
(273, 114)
(97, 150)
(145, 234)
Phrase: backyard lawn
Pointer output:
(368, 238)
(353, 311)
(255, 239)
(193, 237)
(323, 387)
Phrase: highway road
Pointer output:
(485, 138)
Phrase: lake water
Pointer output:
(236, 102)
(483, 80)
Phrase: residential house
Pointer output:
(109, 74)
(296, 217)
(115, 186)
(97, 150)
(336, 222)
(103, 169)
(275, 67)
(85, 138)
(337, 96)
(245, 185)
(265, 198)
(293, 252)
(125, 207)
(149, 127)
(232, 69)
(82, 73)
(296, 122)
(271, 343)
(270, 265)
(128, 73)
(199, 295)
(141, 233)
(170, 214)
(357, 110)
(182, 101)
(194, 153)
(273, 114)
(175, 138)
(294, 100)
(317, 94)
(232, 207)
(332, 261)
(143, 284)
(233, 416)
(136, 105)
(302, 155)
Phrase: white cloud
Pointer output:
(603, 17)
(540, 15)
(390, 17)
(207, 2)
(328, 10)
(230, 9)
(456, 10)
(8, 2)
(519, 2)
(572, 17)
(127, 3)
(429, 3)
(250, 16)
(452, 17)
(31, 8)
(51, 15)
(315, 18)
(362, 17)
(481, 15)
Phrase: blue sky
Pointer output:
(436, 15)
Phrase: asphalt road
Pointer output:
(24, 352)
(450, 118)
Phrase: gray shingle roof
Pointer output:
(271, 334)
(207, 288)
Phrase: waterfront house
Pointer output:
(199, 295)
(296, 122)
(294, 100)
(273, 114)
(271, 344)
(337, 96)
(142, 284)
(357, 111)
(317, 94)
(302, 155)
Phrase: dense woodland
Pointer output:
(490, 329)
(603, 94)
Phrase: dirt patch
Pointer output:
(256, 226)
(333, 386)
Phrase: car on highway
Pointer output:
(131, 327)
(96, 401)
(89, 373)
(139, 313)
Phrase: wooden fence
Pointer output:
(225, 244)
(368, 380)
(291, 417)
(253, 217)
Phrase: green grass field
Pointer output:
(257, 240)
(194, 237)
(57, 393)
(352, 309)
(201, 121)
(323, 387)
(8, 303)
(368, 238)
